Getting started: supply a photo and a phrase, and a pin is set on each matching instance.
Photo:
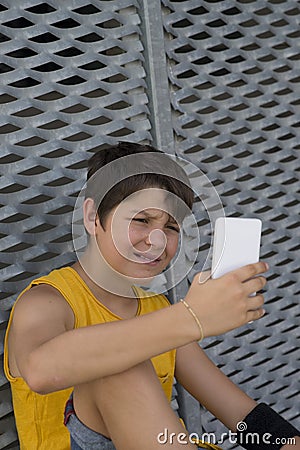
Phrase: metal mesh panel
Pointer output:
(233, 70)
(78, 75)
(72, 80)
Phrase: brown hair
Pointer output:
(175, 180)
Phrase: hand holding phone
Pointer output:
(221, 303)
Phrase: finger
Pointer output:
(251, 270)
(256, 302)
(204, 276)
(255, 315)
(254, 284)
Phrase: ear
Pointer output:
(90, 216)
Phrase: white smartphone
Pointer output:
(236, 243)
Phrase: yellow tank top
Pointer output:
(39, 418)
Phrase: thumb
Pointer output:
(204, 276)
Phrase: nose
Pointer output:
(157, 239)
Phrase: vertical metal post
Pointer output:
(157, 75)
(162, 130)
(158, 90)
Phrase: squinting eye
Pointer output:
(136, 219)
(171, 227)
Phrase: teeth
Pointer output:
(145, 259)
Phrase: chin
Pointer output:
(143, 275)
(143, 280)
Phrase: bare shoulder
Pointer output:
(40, 314)
(43, 302)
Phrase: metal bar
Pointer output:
(157, 76)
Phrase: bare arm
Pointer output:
(50, 355)
(214, 390)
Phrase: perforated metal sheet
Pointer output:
(72, 80)
(225, 95)
(233, 70)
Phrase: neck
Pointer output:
(103, 276)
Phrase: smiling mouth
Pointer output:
(147, 259)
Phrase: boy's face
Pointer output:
(140, 236)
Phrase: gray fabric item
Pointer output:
(83, 438)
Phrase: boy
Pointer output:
(88, 326)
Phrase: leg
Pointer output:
(135, 410)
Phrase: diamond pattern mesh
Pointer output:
(74, 77)
(72, 81)
(233, 70)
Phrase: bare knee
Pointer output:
(139, 381)
(107, 402)
(135, 377)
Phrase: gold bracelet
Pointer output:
(195, 317)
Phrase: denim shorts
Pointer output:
(82, 437)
